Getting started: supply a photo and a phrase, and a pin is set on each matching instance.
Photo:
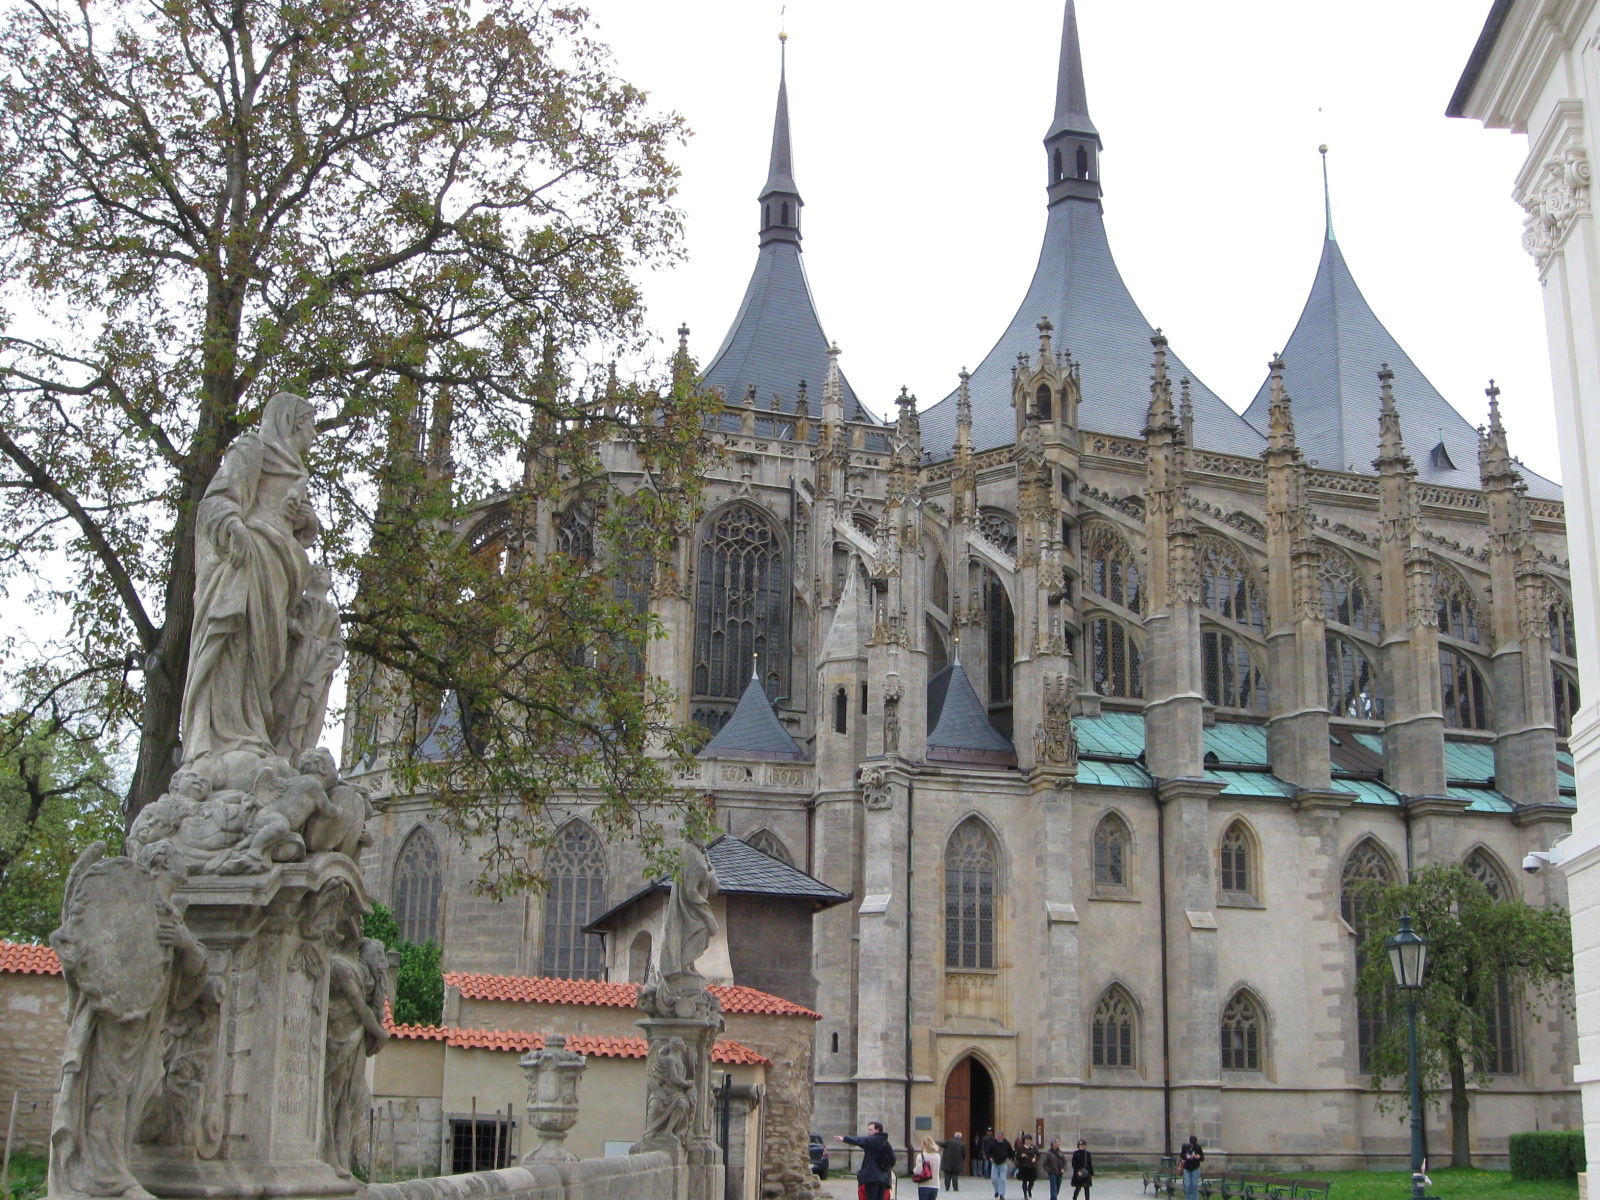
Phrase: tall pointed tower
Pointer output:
(1076, 287)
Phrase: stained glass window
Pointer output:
(1110, 567)
(1242, 1033)
(1458, 610)
(418, 882)
(1114, 659)
(1463, 696)
(1227, 586)
(741, 613)
(1345, 596)
(1112, 843)
(1565, 691)
(1113, 1030)
(1352, 681)
(1237, 875)
(575, 870)
(970, 864)
(1231, 678)
(1367, 864)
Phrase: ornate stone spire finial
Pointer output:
(1186, 411)
(964, 409)
(1392, 454)
(1045, 328)
(1161, 417)
(1496, 468)
(1280, 417)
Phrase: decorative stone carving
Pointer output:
(1055, 741)
(553, 1074)
(1557, 195)
(669, 1096)
(130, 964)
(891, 721)
(675, 988)
(877, 793)
(358, 972)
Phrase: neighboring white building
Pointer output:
(1536, 71)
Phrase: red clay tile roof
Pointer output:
(597, 1045)
(544, 990)
(19, 958)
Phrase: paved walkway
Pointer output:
(1106, 1187)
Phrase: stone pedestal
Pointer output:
(553, 1073)
(701, 1175)
(263, 1126)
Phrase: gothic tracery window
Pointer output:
(1002, 639)
(1229, 674)
(1499, 1011)
(1111, 569)
(1563, 630)
(741, 614)
(418, 883)
(1115, 667)
(1564, 690)
(1112, 847)
(999, 528)
(970, 865)
(1243, 1033)
(575, 872)
(1463, 695)
(769, 844)
(575, 529)
(1228, 586)
(1480, 864)
(1352, 681)
(1458, 609)
(1236, 866)
(1366, 865)
(1346, 599)
(1113, 1030)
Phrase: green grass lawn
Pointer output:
(1449, 1183)
(26, 1176)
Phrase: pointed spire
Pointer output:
(1495, 465)
(1327, 200)
(1072, 145)
(1185, 411)
(1391, 446)
(780, 198)
(1160, 417)
(1280, 416)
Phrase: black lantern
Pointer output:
(1408, 955)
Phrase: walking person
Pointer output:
(999, 1156)
(1054, 1164)
(877, 1160)
(1190, 1156)
(953, 1157)
(1082, 1170)
(926, 1169)
(1027, 1165)
(980, 1155)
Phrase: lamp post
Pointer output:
(1408, 956)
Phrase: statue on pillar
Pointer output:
(676, 988)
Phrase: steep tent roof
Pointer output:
(1331, 367)
(776, 340)
(1076, 285)
(962, 732)
(753, 731)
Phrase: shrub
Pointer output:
(418, 983)
(1556, 1154)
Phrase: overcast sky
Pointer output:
(917, 150)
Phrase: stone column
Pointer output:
(678, 1106)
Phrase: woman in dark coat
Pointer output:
(1027, 1164)
(1082, 1170)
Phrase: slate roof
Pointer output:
(962, 732)
(444, 736)
(753, 731)
(1331, 366)
(742, 870)
(1076, 285)
(601, 993)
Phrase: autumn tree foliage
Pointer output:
(427, 218)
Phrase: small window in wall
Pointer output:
(1083, 163)
(480, 1144)
(836, 1041)
(1041, 401)
(1059, 174)
(785, 212)
(1242, 1033)
(841, 710)
(863, 699)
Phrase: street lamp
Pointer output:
(1408, 956)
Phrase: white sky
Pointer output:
(917, 149)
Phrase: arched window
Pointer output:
(1462, 692)
(1236, 863)
(1352, 681)
(575, 529)
(769, 844)
(1114, 1030)
(1243, 1033)
(1113, 844)
(1483, 867)
(1002, 638)
(418, 882)
(970, 865)
(1227, 586)
(1083, 163)
(938, 582)
(741, 614)
(1114, 663)
(1346, 599)
(1111, 568)
(1563, 630)
(1041, 401)
(1056, 162)
(1499, 1011)
(1458, 610)
(785, 211)
(998, 528)
(1565, 690)
(639, 957)
(1366, 865)
(1231, 679)
(575, 872)
(841, 711)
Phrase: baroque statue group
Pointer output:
(222, 999)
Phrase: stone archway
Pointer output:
(969, 1101)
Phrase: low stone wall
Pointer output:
(626, 1177)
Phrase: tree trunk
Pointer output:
(1460, 1127)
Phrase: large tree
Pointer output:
(426, 217)
(1485, 953)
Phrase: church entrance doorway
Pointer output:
(968, 1102)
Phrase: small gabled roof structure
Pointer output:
(753, 731)
(961, 733)
(741, 870)
(776, 340)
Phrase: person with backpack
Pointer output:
(877, 1160)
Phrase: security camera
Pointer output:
(1536, 860)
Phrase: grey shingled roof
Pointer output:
(1331, 366)
(753, 731)
(741, 870)
(444, 735)
(962, 732)
(1076, 285)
